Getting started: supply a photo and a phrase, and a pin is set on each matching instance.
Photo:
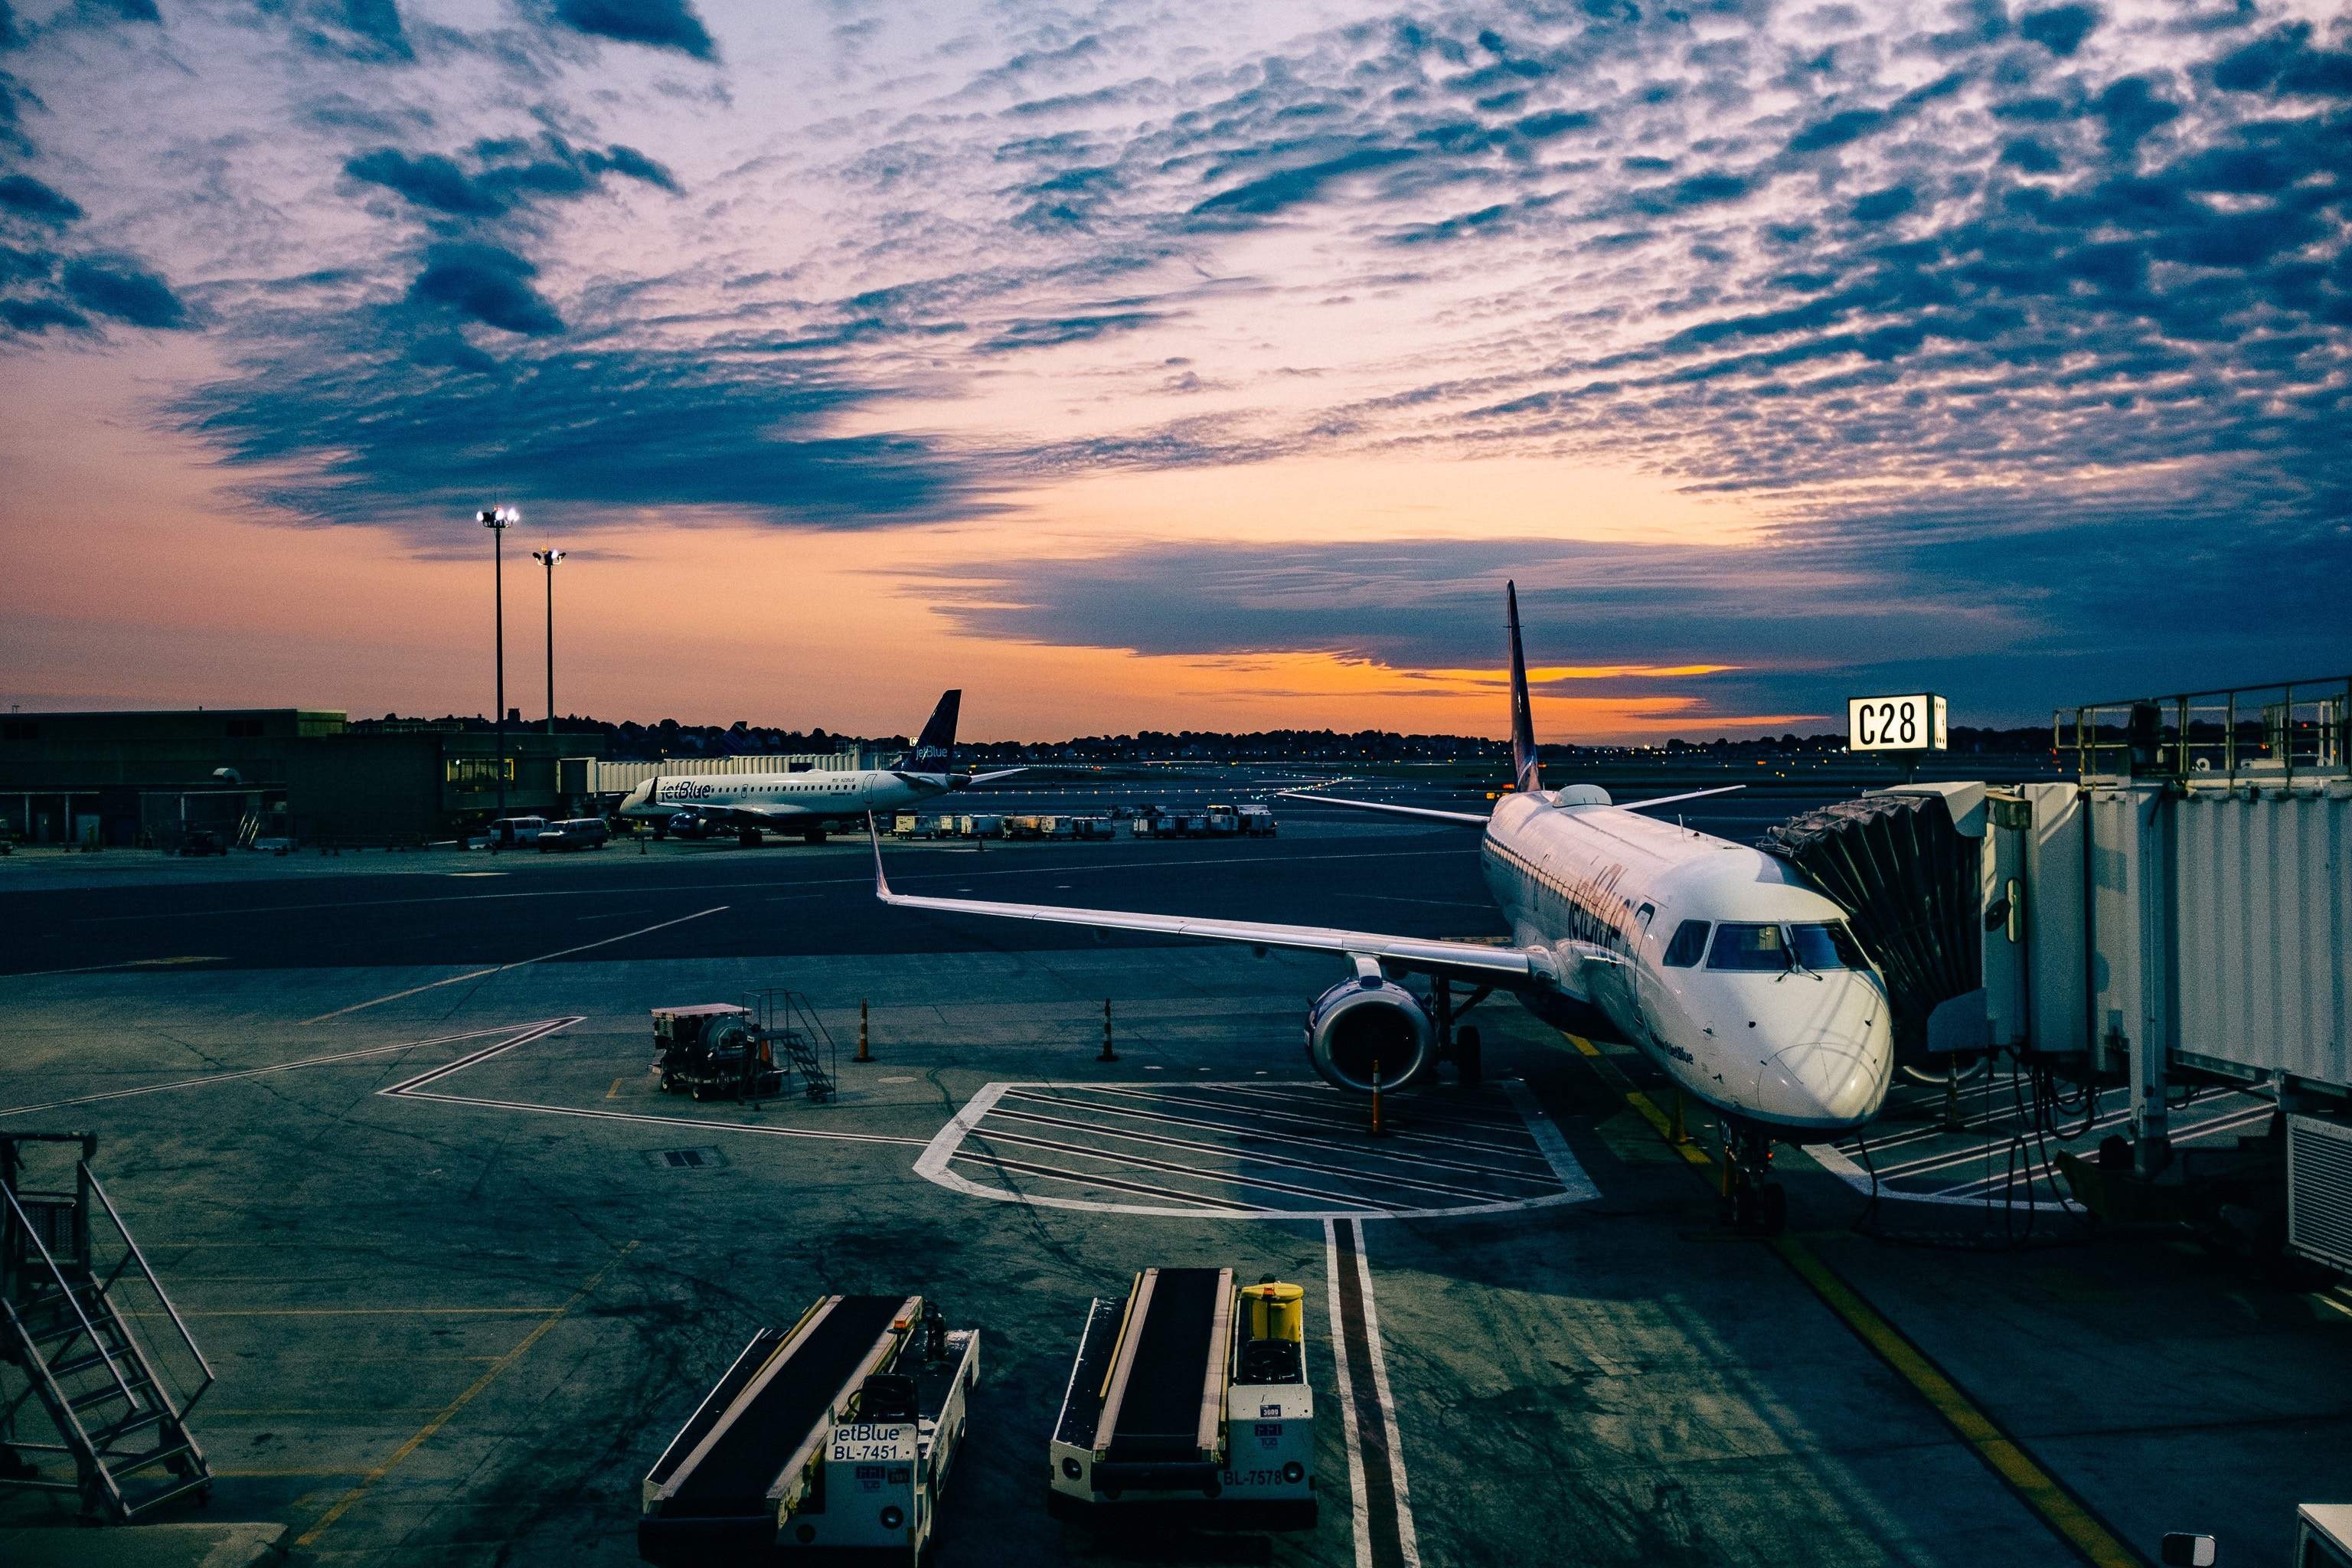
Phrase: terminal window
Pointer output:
(477, 772)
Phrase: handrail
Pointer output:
(66, 1288)
(157, 1286)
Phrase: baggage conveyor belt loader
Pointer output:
(1190, 1395)
(827, 1442)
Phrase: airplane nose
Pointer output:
(1827, 1086)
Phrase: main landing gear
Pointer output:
(1751, 1201)
(1461, 1046)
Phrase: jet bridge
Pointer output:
(832, 1437)
(2179, 915)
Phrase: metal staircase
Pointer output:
(67, 1349)
(789, 1022)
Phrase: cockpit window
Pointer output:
(1738, 945)
(1689, 945)
(1827, 946)
(1821, 944)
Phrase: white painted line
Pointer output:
(519, 964)
(1119, 1183)
(1362, 1506)
(281, 1066)
(993, 1135)
(1833, 1160)
(1565, 1166)
(1253, 1151)
(417, 1089)
(1358, 1146)
(1461, 1118)
(585, 1113)
(944, 1145)
(1182, 1097)
(1406, 1541)
(125, 963)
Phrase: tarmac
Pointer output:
(456, 1314)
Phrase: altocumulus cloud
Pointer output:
(659, 23)
(485, 284)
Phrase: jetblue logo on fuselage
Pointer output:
(684, 789)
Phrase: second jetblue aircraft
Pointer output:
(808, 803)
(1717, 961)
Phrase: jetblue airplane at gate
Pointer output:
(1716, 960)
(807, 802)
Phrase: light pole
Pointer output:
(498, 519)
(548, 558)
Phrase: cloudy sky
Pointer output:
(1146, 363)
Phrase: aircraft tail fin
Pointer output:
(935, 747)
(1524, 773)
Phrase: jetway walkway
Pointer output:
(2178, 919)
(112, 1419)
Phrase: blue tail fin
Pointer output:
(1524, 775)
(935, 747)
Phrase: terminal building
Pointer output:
(240, 774)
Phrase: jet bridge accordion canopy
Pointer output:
(1911, 882)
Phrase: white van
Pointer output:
(513, 832)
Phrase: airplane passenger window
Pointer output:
(1827, 946)
(1689, 945)
(1754, 947)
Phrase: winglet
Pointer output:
(1524, 773)
(881, 882)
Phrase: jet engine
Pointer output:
(1365, 1020)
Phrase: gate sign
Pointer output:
(1912, 723)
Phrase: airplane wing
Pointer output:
(1508, 967)
(1467, 818)
(1671, 799)
(999, 774)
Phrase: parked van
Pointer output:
(576, 833)
(514, 832)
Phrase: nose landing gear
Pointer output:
(1751, 1202)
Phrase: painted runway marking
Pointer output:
(1376, 1475)
(1356, 1145)
(519, 963)
(421, 1088)
(288, 1066)
(449, 1412)
(126, 963)
(1212, 1151)
(2063, 1513)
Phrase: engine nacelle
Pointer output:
(1361, 1021)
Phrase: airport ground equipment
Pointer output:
(116, 1432)
(829, 1441)
(1190, 1395)
(715, 1050)
(2323, 1535)
(746, 1050)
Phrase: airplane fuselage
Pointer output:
(1769, 1014)
(788, 799)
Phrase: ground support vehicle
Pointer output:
(1190, 1396)
(574, 833)
(715, 1050)
(827, 1442)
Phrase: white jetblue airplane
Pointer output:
(1716, 960)
(807, 802)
